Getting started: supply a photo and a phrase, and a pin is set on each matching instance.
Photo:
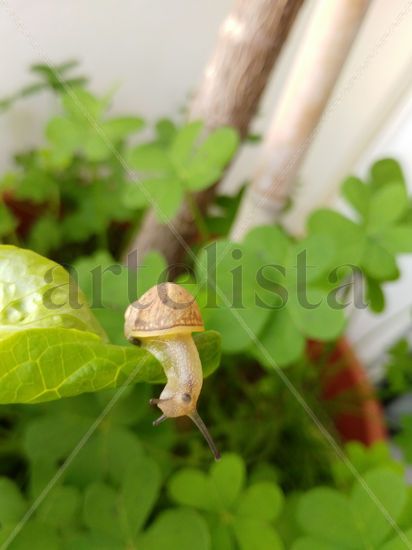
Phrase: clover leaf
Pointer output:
(180, 161)
(235, 511)
(381, 228)
(329, 517)
(84, 128)
(269, 294)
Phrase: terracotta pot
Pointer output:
(347, 393)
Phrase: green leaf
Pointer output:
(183, 529)
(100, 511)
(308, 543)
(82, 105)
(184, 143)
(325, 514)
(386, 171)
(35, 536)
(108, 455)
(230, 306)
(387, 206)
(357, 194)
(389, 492)
(228, 476)
(375, 296)
(270, 243)
(398, 239)
(310, 310)
(191, 487)
(262, 501)
(378, 263)
(12, 502)
(60, 507)
(92, 541)
(210, 158)
(400, 381)
(139, 492)
(42, 439)
(36, 186)
(348, 237)
(150, 158)
(95, 145)
(165, 195)
(44, 364)
(36, 292)
(254, 534)
(222, 536)
(8, 222)
(45, 235)
(134, 196)
(165, 130)
(314, 254)
(120, 127)
(65, 136)
(331, 517)
(398, 542)
(281, 339)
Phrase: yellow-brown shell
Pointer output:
(165, 309)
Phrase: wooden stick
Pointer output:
(249, 43)
(319, 61)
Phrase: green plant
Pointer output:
(79, 188)
(132, 486)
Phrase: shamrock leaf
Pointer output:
(179, 528)
(180, 161)
(84, 128)
(12, 503)
(329, 517)
(234, 511)
(121, 513)
(227, 274)
(381, 230)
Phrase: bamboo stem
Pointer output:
(319, 61)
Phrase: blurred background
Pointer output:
(153, 53)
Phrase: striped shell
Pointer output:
(165, 309)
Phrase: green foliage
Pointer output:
(236, 513)
(53, 78)
(398, 370)
(361, 520)
(73, 186)
(182, 163)
(51, 346)
(124, 484)
(273, 294)
(38, 293)
(382, 227)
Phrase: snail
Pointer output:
(162, 321)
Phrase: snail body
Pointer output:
(163, 321)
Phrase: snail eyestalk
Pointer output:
(205, 432)
(159, 420)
